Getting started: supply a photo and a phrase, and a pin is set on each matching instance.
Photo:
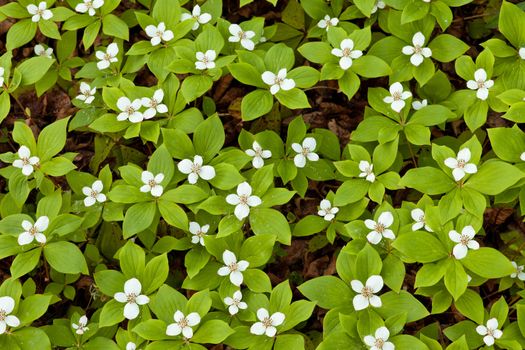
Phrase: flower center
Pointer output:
(94, 193)
(159, 33)
(417, 49)
(461, 163)
(3, 315)
(379, 343)
(89, 4)
(233, 267)
(130, 110)
(183, 323)
(33, 231)
(243, 199)
(152, 183)
(242, 35)
(367, 292)
(25, 160)
(464, 239)
(200, 234)
(278, 81)
(86, 93)
(347, 52)
(380, 228)
(195, 168)
(305, 151)
(481, 84)
(40, 12)
(267, 322)
(490, 331)
(396, 96)
(131, 298)
(519, 269)
(107, 57)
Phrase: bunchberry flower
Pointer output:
(304, 152)
(194, 169)
(490, 332)
(379, 341)
(519, 271)
(418, 215)
(328, 22)
(366, 293)
(183, 324)
(108, 57)
(129, 110)
(267, 323)
(94, 193)
(417, 105)
(233, 267)
(158, 33)
(7, 304)
(200, 18)
(131, 346)
(367, 171)
(81, 327)
(154, 104)
(243, 200)
(87, 94)
(198, 232)
(26, 162)
(417, 52)
(42, 51)
(461, 165)
(234, 303)
(132, 298)
(380, 228)
(33, 231)
(239, 35)
(277, 82)
(380, 4)
(347, 53)
(464, 241)
(89, 6)
(152, 183)
(481, 84)
(327, 211)
(39, 12)
(205, 60)
(258, 154)
(397, 97)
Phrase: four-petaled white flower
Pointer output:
(152, 183)
(87, 94)
(108, 57)
(205, 60)
(89, 6)
(397, 97)
(521, 53)
(129, 110)
(380, 228)
(26, 162)
(327, 211)
(183, 324)
(417, 105)
(304, 152)
(233, 267)
(258, 154)
(380, 4)
(481, 84)
(522, 156)
(518, 271)
(234, 303)
(131, 346)
(33, 231)
(328, 22)
(243, 200)
(267, 323)
(367, 171)
(347, 53)
(154, 104)
(200, 18)
(158, 33)
(464, 241)
(379, 341)
(417, 52)
(239, 35)
(2, 71)
(194, 169)
(132, 298)
(366, 293)
(7, 304)
(198, 232)
(42, 51)
(460, 165)
(418, 215)
(39, 11)
(277, 82)
(94, 193)
(81, 328)
(490, 332)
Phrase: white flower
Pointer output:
(183, 324)
(129, 110)
(26, 162)
(81, 328)
(94, 193)
(522, 157)
(132, 298)
(418, 216)
(42, 51)
(89, 6)
(461, 165)
(198, 232)
(481, 84)
(131, 346)
(259, 155)
(243, 200)
(278, 82)
(238, 35)
(7, 304)
(33, 231)
(154, 104)
(378, 5)
(427, 1)
(519, 271)
(304, 152)
(233, 267)
(378, 341)
(2, 72)
(195, 169)
(417, 52)
(199, 18)
(380, 228)
(39, 11)
(205, 60)
(397, 97)
(108, 57)
(87, 94)
(152, 183)
(464, 241)
(158, 33)
(521, 52)
(366, 293)
(328, 22)
(234, 303)
(267, 323)
(347, 53)
(367, 171)
(490, 332)
(327, 211)
(417, 105)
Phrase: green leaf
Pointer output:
(32, 308)
(394, 303)
(21, 33)
(428, 180)
(65, 257)
(34, 69)
(421, 246)
(138, 218)
(246, 74)
(512, 23)
(270, 222)
(208, 138)
(151, 330)
(293, 99)
(471, 305)
(446, 48)
(257, 250)
(493, 177)
(52, 139)
(111, 314)
(507, 143)
(114, 26)
(488, 263)
(25, 262)
(212, 332)
(172, 213)
(195, 86)
(370, 66)
(256, 104)
(328, 292)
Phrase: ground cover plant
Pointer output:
(282, 174)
